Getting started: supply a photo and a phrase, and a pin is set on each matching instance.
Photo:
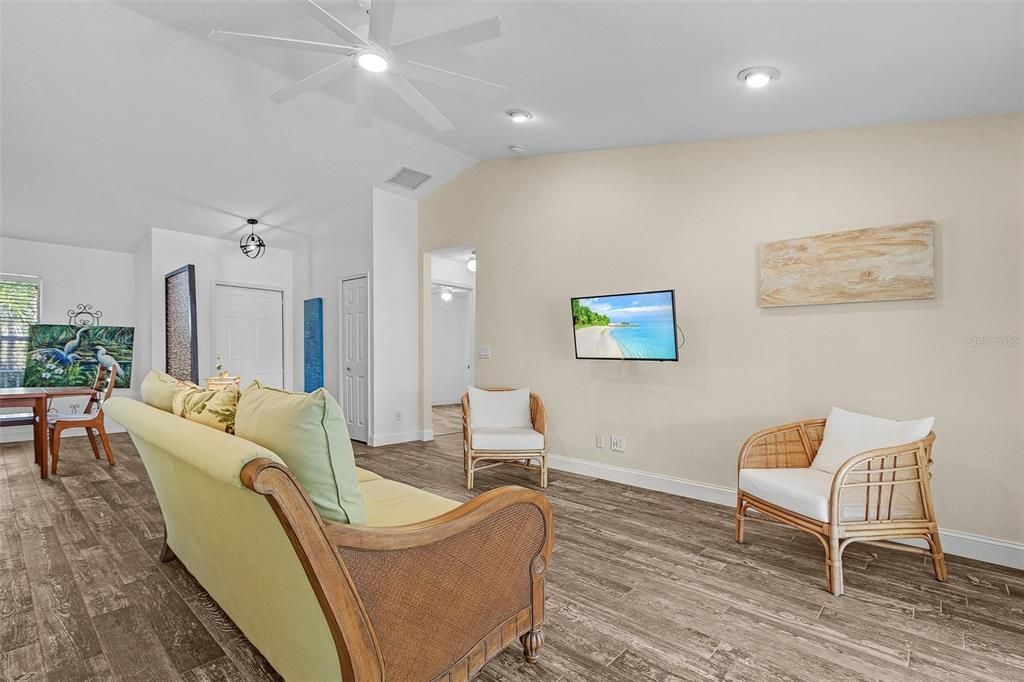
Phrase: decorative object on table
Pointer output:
(180, 334)
(850, 478)
(252, 245)
(891, 263)
(66, 355)
(313, 343)
(91, 420)
(504, 426)
(223, 381)
(83, 315)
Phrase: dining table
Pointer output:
(38, 398)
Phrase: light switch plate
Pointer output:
(618, 444)
(484, 352)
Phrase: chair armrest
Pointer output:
(539, 416)
(884, 485)
(450, 592)
(779, 447)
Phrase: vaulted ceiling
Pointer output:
(118, 117)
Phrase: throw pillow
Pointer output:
(214, 408)
(158, 390)
(500, 409)
(307, 431)
(848, 434)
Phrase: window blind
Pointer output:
(19, 309)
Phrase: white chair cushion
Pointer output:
(515, 439)
(804, 491)
(52, 417)
(500, 408)
(848, 434)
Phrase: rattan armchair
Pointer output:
(519, 457)
(876, 496)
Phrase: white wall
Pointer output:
(72, 275)
(339, 250)
(690, 217)
(395, 320)
(451, 343)
(216, 260)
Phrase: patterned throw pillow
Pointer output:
(214, 408)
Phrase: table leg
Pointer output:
(41, 438)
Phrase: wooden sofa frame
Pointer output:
(874, 475)
(477, 573)
(473, 456)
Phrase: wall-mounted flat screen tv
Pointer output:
(626, 326)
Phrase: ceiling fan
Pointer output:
(377, 60)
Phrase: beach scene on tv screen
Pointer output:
(625, 327)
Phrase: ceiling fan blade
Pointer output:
(450, 39)
(450, 79)
(364, 99)
(415, 99)
(274, 41)
(332, 24)
(382, 20)
(312, 81)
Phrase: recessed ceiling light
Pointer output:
(758, 76)
(519, 115)
(372, 61)
(516, 149)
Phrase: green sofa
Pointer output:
(428, 589)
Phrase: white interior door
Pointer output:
(249, 333)
(355, 365)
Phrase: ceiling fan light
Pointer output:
(446, 295)
(373, 61)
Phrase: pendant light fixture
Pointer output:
(252, 245)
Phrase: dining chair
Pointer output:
(91, 418)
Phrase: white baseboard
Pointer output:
(645, 479)
(980, 547)
(427, 434)
(19, 434)
(447, 403)
(376, 441)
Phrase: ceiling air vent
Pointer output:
(408, 178)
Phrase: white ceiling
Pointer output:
(606, 73)
(118, 117)
(113, 123)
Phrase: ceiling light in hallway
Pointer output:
(519, 115)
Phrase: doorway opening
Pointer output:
(452, 335)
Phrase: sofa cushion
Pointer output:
(500, 408)
(804, 491)
(849, 433)
(362, 475)
(518, 439)
(213, 408)
(308, 432)
(390, 503)
(157, 390)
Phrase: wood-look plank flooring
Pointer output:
(447, 419)
(642, 586)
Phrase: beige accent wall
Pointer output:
(690, 217)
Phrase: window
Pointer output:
(19, 309)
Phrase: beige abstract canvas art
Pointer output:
(892, 263)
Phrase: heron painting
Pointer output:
(66, 355)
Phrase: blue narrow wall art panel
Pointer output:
(313, 343)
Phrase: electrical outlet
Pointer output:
(618, 443)
(484, 352)
(398, 416)
(599, 441)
